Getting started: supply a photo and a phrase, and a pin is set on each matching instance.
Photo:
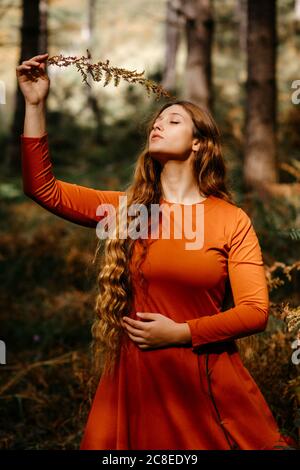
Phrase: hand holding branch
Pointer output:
(33, 79)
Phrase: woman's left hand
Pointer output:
(160, 331)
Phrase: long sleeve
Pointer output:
(249, 290)
(72, 202)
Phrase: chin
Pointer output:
(165, 157)
(158, 157)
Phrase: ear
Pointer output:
(196, 145)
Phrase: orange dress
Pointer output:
(193, 396)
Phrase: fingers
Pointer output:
(31, 62)
(135, 335)
(39, 57)
(135, 331)
(35, 61)
(135, 323)
(140, 342)
(136, 339)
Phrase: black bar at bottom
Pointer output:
(134, 459)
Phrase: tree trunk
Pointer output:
(91, 98)
(297, 17)
(43, 35)
(199, 33)
(241, 19)
(297, 10)
(260, 165)
(174, 22)
(32, 43)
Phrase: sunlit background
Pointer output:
(47, 279)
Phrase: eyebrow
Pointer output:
(159, 117)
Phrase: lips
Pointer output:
(156, 136)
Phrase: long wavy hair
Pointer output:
(115, 279)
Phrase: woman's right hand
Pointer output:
(33, 79)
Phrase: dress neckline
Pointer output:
(204, 202)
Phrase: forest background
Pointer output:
(238, 58)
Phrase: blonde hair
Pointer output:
(115, 280)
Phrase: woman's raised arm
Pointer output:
(70, 201)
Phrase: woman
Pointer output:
(172, 377)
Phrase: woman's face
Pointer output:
(172, 135)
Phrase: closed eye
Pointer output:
(172, 122)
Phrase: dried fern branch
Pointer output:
(104, 70)
(275, 282)
(291, 317)
(67, 357)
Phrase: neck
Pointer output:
(178, 182)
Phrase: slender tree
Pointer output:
(241, 7)
(297, 10)
(199, 27)
(175, 22)
(260, 165)
(33, 42)
(91, 98)
(43, 32)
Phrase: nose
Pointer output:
(157, 125)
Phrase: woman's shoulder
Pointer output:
(229, 205)
(228, 208)
(228, 214)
